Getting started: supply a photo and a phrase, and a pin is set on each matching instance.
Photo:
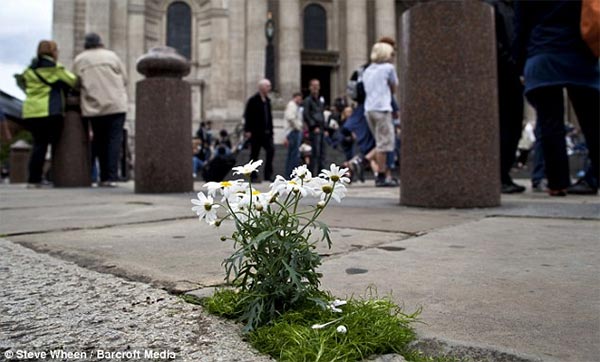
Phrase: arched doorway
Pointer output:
(317, 61)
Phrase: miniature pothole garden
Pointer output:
(273, 279)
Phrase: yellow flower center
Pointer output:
(226, 184)
(335, 178)
(327, 189)
(207, 207)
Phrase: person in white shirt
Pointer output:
(293, 130)
(380, 81)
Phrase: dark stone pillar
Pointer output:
(20, 152)
(163, 126)
(449, 104)
(71, 163)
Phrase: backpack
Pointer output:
(355, 87)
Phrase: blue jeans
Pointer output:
(293, 155)
(106, 144)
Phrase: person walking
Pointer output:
(293, 137)
(314, 118)
(103, 103)
(258, 127)
(45, 83)
(553, 56)
(380, 82)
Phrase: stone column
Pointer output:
(63, 30)
(385, 19)
(289, 48)
(118, 28)
(450, 151)
(219, 66)
(356, 35)
(71, 159)
(163, 160)
(136, 24)
(97, 19)
(237, 58)
(256, 42)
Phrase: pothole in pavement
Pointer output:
(391, 248)
(353, 271)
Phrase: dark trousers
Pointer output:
(266, 142)
(45, 131)
(539, 170)
(548, 103)
(317, 155)
(293, 154)
(510, 101)
(106, 144)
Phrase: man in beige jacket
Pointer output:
(103, 103)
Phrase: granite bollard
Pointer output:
(449, 106)
(20, 152)
(71, 164)
(163, 161)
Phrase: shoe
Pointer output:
(538, 186)
(386, 183)
(559, 193)
(512, 188)
(107, 184)
(582, 187)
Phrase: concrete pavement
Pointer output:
(523, 278)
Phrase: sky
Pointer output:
(23, 23)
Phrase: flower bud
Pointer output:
(223, 238)
(258, 207)
(341, 329)
(321, 204)
(218, 223)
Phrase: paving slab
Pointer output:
(527, 285)
(177, 255)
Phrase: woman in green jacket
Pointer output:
(45, 83)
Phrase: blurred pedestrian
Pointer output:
(293, 131)
(554, 56)
(314, 118)
(45, 83)
(510, 93)
(380, 82)
(103, 103)
(258, 127)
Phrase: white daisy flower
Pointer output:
(324, 187)
(248, 168)
(226, 188)
(285, 187)
(205, 208)
(302, 172)
(335, 174)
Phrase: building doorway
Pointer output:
(323, 74)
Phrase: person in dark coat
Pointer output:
(510, 93)
(258, 126)
(314, 118)
(553, 56)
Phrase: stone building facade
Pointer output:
(227, 43)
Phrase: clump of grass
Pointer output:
(373, 326)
